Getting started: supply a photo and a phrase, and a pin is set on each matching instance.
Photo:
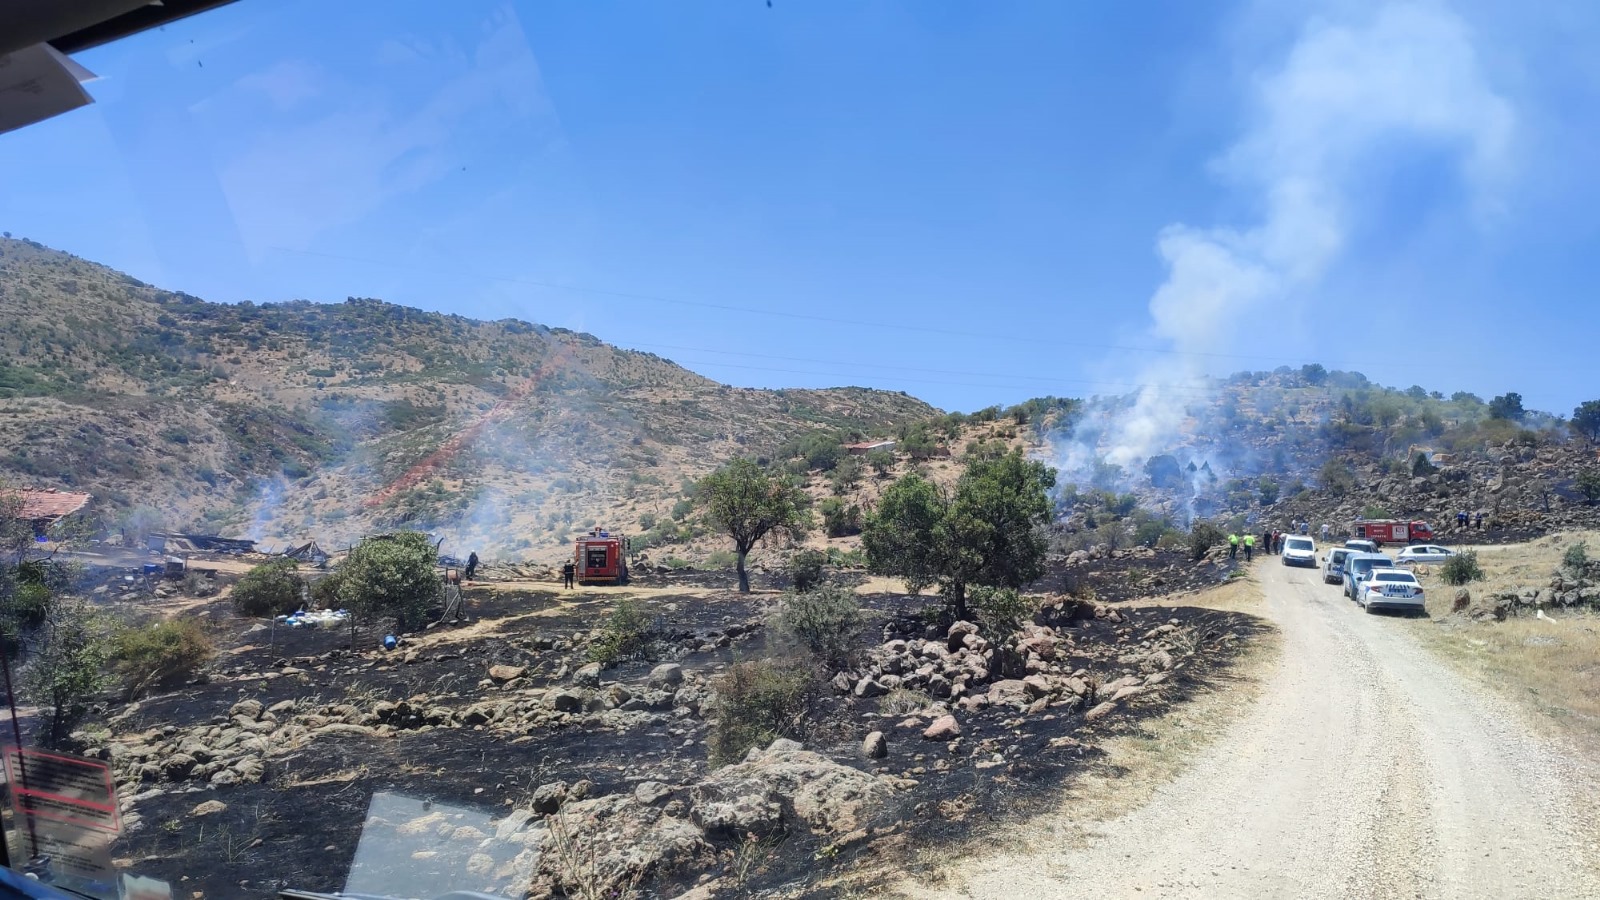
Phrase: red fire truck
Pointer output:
(601, 558)
(1393, 531)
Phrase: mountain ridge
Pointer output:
(293, 419)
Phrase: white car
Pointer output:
(1333, 565)
(1391, 589)
(1300, 551)
(1424, 553)
(1362, 546)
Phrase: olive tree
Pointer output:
(67, 667)
(392, 575)
(988, 532)
(1586, 419)
(748, 503)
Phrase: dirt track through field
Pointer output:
(1364, 769)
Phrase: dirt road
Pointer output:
(1364, 769)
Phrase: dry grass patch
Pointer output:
(1550, 664)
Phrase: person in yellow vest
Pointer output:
(1233, 546)
(1249, 546)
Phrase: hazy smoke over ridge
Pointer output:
(1344, 97)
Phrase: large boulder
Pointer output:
(944, 728)
(791, 788)
(587, 675)
(666, 675)
(503, 674)
(618, 842)
(1009, 691)
(547, 798)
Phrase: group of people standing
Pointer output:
(1463, 520)
(1271, 540)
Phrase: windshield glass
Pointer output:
(780, 449)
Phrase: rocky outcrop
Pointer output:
(789, 788)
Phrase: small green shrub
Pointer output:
(270, 589)
(1461, 568)
(1576, 558)
(1001, 611)
(838, 518)
(1202, 537)
(625, 634)
(160, 653)
(825, 621)
(758, 702)
(647, 521)
(721, 559)
(1374, 512)
(806, 569)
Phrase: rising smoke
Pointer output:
(1346, 97)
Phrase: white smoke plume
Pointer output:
(1344, 97)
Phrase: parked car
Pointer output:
(1300, 551)
(1358, 567)
(1362, 546)
(1424, 553)
(1333, 565)
(1391, 589)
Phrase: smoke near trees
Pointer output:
(1349, 95)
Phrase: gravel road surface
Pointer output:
(1365, 769)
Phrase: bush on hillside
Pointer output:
(391, 576)
(806, 569)
(160, 653)
(1461, 568)
(758, 702)
(626, 634)
(839, 519)
(1001, 611)
(270, 589)
(1576, 559)
(1202, 537)
(881, 462)
(826, 621)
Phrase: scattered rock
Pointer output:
(651, 792)
(623, 840)
(870, 687)
(566, 699)
(503, 674)
(547, 798)
(587, 675)
(666, 675)
(789, 787)
(944, 728)
(1099, 712)
(875, 746)
(208, 807)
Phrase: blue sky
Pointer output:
(974, 203)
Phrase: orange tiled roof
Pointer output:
(49, 504)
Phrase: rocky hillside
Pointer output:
(302, 420)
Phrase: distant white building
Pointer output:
(865, 447)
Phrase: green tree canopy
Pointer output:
(270, 589)
(1507, 406)
(748, 503)
(67, 667)
(1586, 419)
(987, 532)
(391, 575)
